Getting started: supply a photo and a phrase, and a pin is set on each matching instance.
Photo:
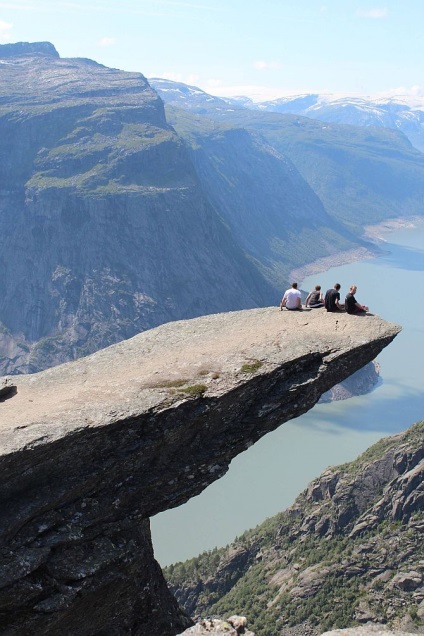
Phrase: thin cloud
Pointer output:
(373, 14)
(261, 65)
(255, 92)
(170, 75)
(179, 77)
(5, 31)
(106, 42)
(405, 91)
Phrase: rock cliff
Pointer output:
(106, 230)
(91, 449)
(348, 552)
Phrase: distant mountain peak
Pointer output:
(28, 48)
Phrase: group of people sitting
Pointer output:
(292, 300)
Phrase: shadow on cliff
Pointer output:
(9, 393)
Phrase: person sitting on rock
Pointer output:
(292, 299)
(351, 304)
(314, 299)
(332, 299)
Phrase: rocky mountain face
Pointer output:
(91, 449)
(106, 229)
(349, 551)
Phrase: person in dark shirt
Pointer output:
(351, 304)
(314, 299)
(332, 299)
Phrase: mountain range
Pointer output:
(405, 114)
(120, 213)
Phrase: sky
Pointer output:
(262, 49)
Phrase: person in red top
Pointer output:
(351, 304)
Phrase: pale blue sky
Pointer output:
(228, 47)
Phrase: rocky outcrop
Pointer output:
(27, 49)
(91, 449)
(234, 626)
(348, 552)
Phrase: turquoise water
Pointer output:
(266, 478)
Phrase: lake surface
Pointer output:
(266, 478)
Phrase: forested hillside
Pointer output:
(349, 551)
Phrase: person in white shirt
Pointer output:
(292, 298)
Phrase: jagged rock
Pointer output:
(234, 626)
(407, 581)
(91, 449)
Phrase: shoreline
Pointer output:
(371, 233)
(327, 262)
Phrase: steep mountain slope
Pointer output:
(361, 174)
(189, 98)
(277, 218)
(349, 551)
(106, 230)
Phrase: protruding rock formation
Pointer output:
(91, 449)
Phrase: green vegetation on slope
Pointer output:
(362, 175)
(339, 554)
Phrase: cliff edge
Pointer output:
(91, 449)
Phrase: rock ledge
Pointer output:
(93, 448)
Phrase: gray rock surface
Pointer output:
(367, 630)
(93, 448)
(234, 626)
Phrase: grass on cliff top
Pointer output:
(251, 367)
(182, 385)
